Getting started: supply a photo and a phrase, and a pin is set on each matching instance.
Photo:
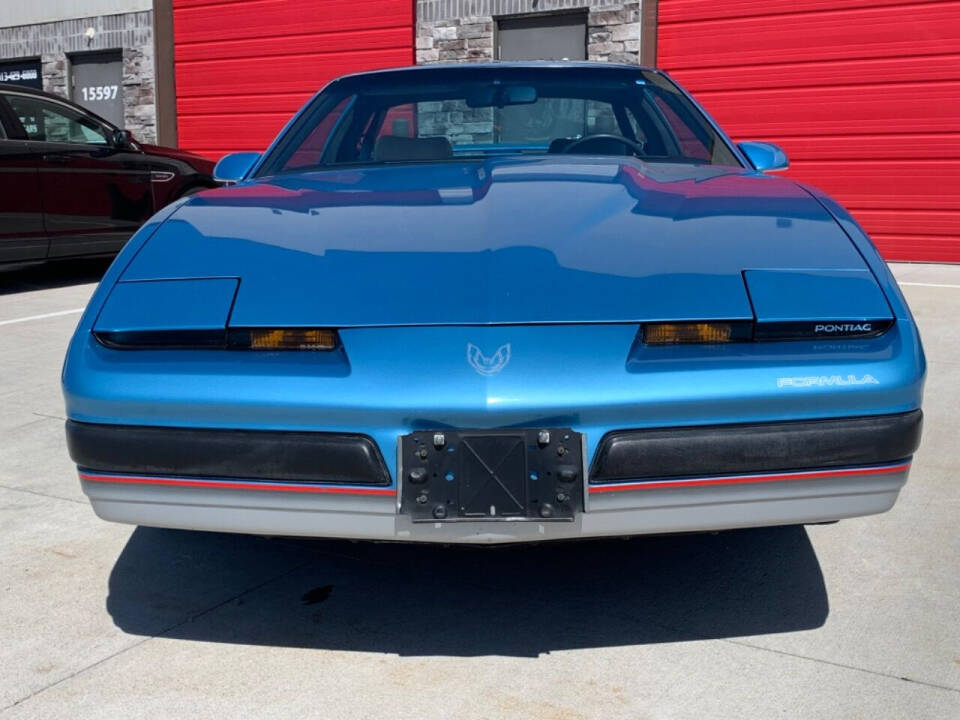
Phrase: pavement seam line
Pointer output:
(41, 317)
(49, 417)
(242, 593)
(798, 656)
(40, 494)
(934, 285)
(160, 634)
(741, 643)
(74, 674)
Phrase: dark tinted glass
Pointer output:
(454, 113)
(50, 122)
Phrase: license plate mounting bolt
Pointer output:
(417, 476)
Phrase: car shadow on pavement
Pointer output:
(42, 276)
(466, 601)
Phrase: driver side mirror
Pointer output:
(765, 157)
(123, 140)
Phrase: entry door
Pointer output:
(545, 37)
(95, 195)
(22, 236)
(98, 84)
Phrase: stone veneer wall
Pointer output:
(464, 30)
(132, 33)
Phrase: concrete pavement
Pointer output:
(855, 620)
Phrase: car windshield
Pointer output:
(443, 114)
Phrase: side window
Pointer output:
(309, 151)
(691, 145)
(400, 121)
(49, 122)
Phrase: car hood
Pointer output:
(502, 241)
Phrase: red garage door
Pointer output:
(864, 95)
(243, 67)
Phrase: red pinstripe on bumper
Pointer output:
(233, 484)
(390, 492)
(746, 479)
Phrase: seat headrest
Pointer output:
(395, 148)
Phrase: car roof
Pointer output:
(500, 65)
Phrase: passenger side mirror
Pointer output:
(235, 166)
(765, 157)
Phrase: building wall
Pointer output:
(464, 30)
(243, 68)
(20, 12)
(863, 95)
(54, 42)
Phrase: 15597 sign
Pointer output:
(99, 92)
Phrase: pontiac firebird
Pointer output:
(496, 303)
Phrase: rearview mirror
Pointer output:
(501, 96)
(235, 166)
(765, 157)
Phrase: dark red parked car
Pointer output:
(73, 184)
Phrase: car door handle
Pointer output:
(56, 158)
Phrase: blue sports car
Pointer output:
(496, 303)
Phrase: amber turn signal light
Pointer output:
(232, 339)
(292, 339)
(694, 332)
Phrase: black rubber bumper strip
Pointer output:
(758, 447)
(250, 454)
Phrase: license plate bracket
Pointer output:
(491, 475)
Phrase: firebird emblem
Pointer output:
(488, 365)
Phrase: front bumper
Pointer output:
(729, 477)
(820, 498)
